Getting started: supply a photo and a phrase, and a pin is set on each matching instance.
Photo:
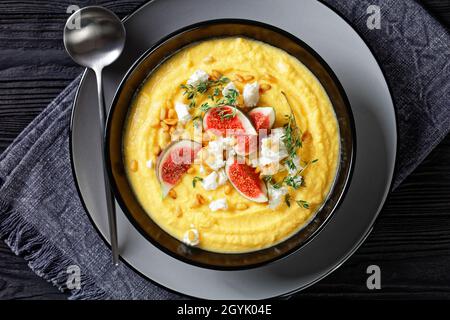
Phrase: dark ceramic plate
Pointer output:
(164, 49)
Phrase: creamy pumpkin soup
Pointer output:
(231, 145)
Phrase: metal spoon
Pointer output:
(94, 37)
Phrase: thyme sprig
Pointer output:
(273, 183)
(306, 165)
(296, 181)
(191, 92)
(292, 136)
(230, 100)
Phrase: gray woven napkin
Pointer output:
(41, 216)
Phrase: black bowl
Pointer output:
(154, 57)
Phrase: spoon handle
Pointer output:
(110, 202)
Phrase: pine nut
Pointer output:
(270, 77)
(241, 206)
(306, 135)
(265, 87)
(172, 194)
(249, 78)
(134, 165)
(239, 78)
(178, 212)
(157, 151)
(170, 122)
(216, 74)
(171, 114)
(195, 204)
(164, 126)
(163, 139)
(209, 59)
(227, 189)
(162, 113)
(191, 170)
(192, 235)
(200, 199)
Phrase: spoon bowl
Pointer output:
(94, 37)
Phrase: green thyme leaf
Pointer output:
(302, 204)
(306, 165)
(202, 87)
(273, 183)
(231, 97)
(195, 180)
(225, 113)
(294, 181)
(197, 117)
(287, 199)
(205, 107)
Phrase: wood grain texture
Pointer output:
(410, 241)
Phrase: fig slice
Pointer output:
(230, 121)
(245, 180)
(174, 161)
(262, 117)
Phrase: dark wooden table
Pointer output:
(410, 241)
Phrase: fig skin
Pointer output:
(261, 198)
(267, 112)
(165, 186)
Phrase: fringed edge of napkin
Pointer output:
(44, 259)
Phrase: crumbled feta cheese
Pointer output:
(202, 169)
(149, 164)
(191, 237)
(222, 177)
(254, 161)
(270, 169)
(197, 77)
(277, 133)
(231, 153)
(296, 162)
(215, 161)
(230, 86)
(276, 196)
(220, 204)
(210, 182)
(272, 150)
(182, 111)
(214, 157)
(251, 94)
(229, 142)
(215, 154)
